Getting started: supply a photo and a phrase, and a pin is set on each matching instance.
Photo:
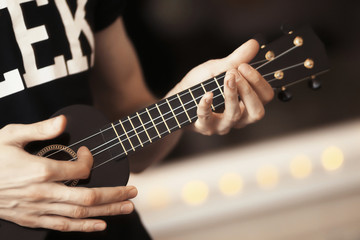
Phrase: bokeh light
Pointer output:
(195, 192)
(332, 158)
(300, 166)
(267, 177)
(231, 184)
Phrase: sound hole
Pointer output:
(60, 153)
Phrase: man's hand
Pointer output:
(30, 192)
(241, 80)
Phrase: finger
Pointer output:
(97, 196)
(59, 193)
(68, 170)
(205, 118)
(257, 82)
(245, 53)
(93, 196)
(254, 106)
(21, 134)
(64, 224)
(49, 170)
(26, 219)
(211, 68)
(232, 111)
(73, 211)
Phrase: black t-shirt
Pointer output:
(46, 53)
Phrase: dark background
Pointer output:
(173, 36)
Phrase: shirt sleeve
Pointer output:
(107, 11)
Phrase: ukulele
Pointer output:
(296, 56)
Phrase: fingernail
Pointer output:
(99, 226)
(207, 99)
(132, 193)
(127, 208)
(231, 83)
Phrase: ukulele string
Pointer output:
(187, 121)
(169, 99)
(220, 78)
(131, 117)
(278, 56)
(121, 154)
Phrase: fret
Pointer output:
(212, 86)
(172, 111)
(153, 122)
(158, 121)
(136, 133)
(218, 92)
(149, 125)
(216, 81)
(168, 115)
(192, 95)
(212, 106)
(182, 104)
(142, 124)
(162, 118)
(119, 138)
(178, 110)
(127, 136)
(189, 104)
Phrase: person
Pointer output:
(58, 53)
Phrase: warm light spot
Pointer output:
(159, 197)
(195, 192)
(300, 166)
(230, 184)
(267, 177)
(332, 158)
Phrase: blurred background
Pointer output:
(294, 174)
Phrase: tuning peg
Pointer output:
(284, 95)
(314, 83)
(287, 28)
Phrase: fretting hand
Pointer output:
(241, 80)
(30, 194)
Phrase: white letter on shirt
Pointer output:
(74, 27)
(13, 82)
(25, 38)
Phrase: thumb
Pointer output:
(244, 54)
(22, 134)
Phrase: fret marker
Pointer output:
(162, 118)
(219, 87)
(153, 122)
(137, 135)
(173, 113)
(212, 106)
(193, 97)
(119, 138)
(147, 134)
(127, 136)
(183, 107)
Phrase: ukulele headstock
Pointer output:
(295, 57)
